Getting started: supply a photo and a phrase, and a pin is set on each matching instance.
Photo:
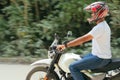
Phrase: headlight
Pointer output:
(51, 54)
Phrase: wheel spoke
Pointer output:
(38, 76)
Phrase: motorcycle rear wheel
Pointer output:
(39, 73)
(117, 77)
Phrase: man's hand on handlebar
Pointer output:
(61, 47)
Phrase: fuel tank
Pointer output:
(66, 59)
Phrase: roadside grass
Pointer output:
(18, 60)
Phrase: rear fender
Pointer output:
(42, 62)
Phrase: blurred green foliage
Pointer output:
(27, 27)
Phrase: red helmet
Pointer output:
(100, 10)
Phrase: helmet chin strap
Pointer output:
(100, 20)
(90, 20)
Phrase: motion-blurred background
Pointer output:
(27, 27)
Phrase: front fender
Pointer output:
(43, 61)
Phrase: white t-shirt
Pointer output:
(101, 40)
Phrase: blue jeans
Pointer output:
(88, 62)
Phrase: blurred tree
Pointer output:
(27, 27)
(115, 26)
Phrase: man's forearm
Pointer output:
(79, 40)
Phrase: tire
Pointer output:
(32, 75)
(117, 77)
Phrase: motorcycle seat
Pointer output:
(114, 64)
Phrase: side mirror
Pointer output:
(69, 33)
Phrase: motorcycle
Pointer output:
(56, 67)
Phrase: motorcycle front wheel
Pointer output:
(39, 73)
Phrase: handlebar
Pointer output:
(56, 40)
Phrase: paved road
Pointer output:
(13, 71)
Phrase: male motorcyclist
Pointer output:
(100, 36)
